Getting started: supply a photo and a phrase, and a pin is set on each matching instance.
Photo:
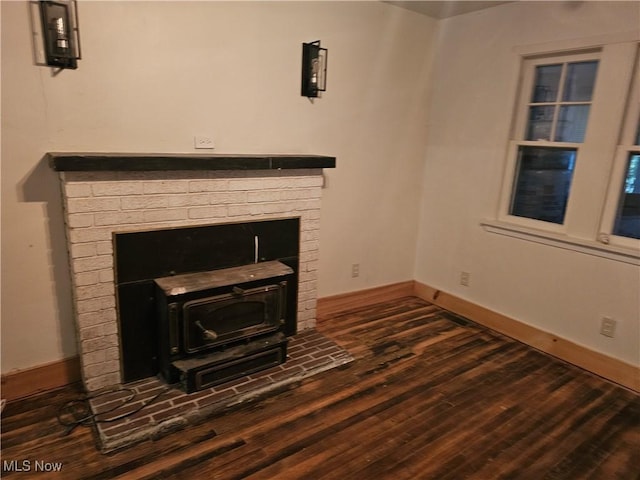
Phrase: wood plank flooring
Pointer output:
(429, 396)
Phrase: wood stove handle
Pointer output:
(207, 334)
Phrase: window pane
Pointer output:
(578, 85)
(540, 122)
(543, 180)
(628, 218)
(545, 88)
(572, 123)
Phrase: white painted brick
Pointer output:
(94, 291)
(307, 276)
(102, 368)
(309, 246)
(168, 186)
(110, 328)
(95, 331)
(256, 184)
(106, 275)
(268, 208)
(96, 318)
(112, 354)
(116, 189)
(312, 204)
(212, 185)
(165, 215)
(96, 234)
(309, 256)
(310, 225)
(93, 263)
(108, 341)
(95, 304)
(300, 194)
(74, 190)
(102, 381)
(118, 218)
(309, 304)
(85, 205)
(142, 203)
(104, 248)
(242, 210)
(310, 215)
(86, 278)
(309, 266)
(304, 296)
(310, 235)
(260, 196)
(224, 198)
(208, 212)
(310, 181)
(79, 250)
(188, 200)
(79, 220)
(92, 358)
(311, 286)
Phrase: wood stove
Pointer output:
(219, 325)
(203, 304)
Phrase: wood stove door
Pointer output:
(242, 314)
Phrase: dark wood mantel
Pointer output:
(94, 162)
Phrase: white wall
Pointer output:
(154, 74)
(474, 82)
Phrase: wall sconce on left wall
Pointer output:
(314, 69)
(60, 33)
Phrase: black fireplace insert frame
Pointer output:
(140, 257)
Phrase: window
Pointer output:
(621, 218)
(555, 105)
(563, 179)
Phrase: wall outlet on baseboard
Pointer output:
(607, 326)
(465, 279)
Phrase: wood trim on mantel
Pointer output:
(147, 162)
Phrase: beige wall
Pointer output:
(474, 82)
(154, 74)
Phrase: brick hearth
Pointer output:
(309, 353)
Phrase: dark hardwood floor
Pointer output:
(429, 396)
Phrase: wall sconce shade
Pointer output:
(60, 33)
(314, 69)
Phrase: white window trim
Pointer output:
(583, 233)
(559, 240)
(619, 169)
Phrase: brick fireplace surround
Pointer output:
(105, 194)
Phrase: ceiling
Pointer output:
(445, 9)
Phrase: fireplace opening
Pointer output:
(219, 325)
(200, 305)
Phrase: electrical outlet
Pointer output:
(465, 279)
(607, 326)
(202, 141)
(355, 270)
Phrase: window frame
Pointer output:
(627, 146)
(594, 172)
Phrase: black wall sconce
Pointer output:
(314, 69)
(60, 33)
